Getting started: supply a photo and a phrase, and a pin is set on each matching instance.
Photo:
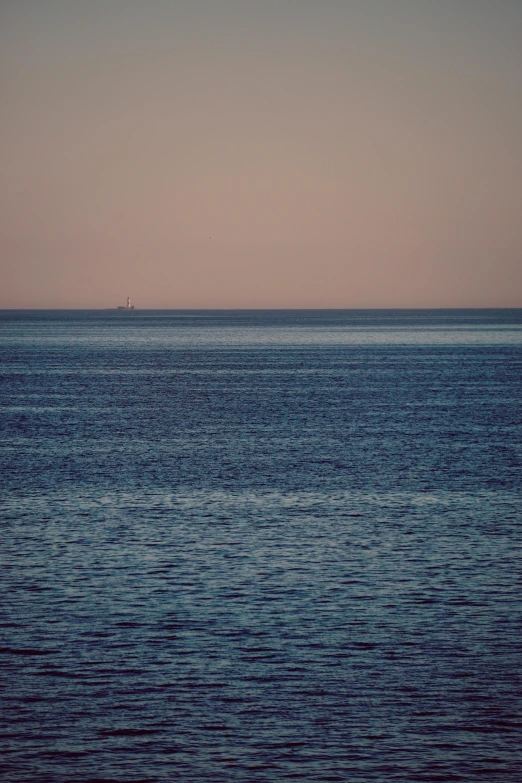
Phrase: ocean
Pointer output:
(259, 546)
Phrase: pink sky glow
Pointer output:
(274, 154)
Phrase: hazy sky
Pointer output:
(261, 153)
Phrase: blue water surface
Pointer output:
(259, 546)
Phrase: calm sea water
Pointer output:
(261, 546)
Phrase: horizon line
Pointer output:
(253, 309)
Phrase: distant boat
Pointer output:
(128, 306)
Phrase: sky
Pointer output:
(261, 153)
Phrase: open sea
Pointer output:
(261, 546)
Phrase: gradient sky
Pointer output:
(267, 153)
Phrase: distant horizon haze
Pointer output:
(284, 154)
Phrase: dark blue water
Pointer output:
(261, 546)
